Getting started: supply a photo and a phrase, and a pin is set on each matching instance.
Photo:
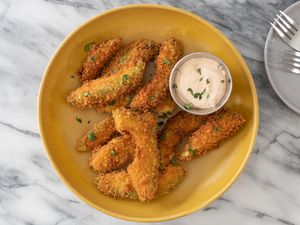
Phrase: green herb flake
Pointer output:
(160, 123)
(88, 46)
(72, 76)
(125, 78)
(88, 121)
(174, 85)
(229, 81)
(222, 81)
(162, 137)
(191, 91)
(78, 119)
(129, 98)
(196, 95)
(193, 151)
(91, 136)
(113, 102)
(164, 116)
(122, 60)
(201, 79)
(188, 106)
(151, 97)
(149, 45)
(114, 153)
(216, 129)
(207, 81)
(92, 59)
(199, 71)
(86, 94)
(174, 161)
(166, 62)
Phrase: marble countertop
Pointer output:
(268, 190)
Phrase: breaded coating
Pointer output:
(174, 131)
(143, 171)
(169, 179)
(219, 127)
(117, 153)
(98, 56)
(166, 106)
(99, 135)
(124, 101)
(156, 89)
(104, 90)
(118, 184)
(139, 49)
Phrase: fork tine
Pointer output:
(297, 65)
(295, 59)
(289, 52)
(290, 69)
(290, 28)
(280, 33)
(284, 29)
(290, 20)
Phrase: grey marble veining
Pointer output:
(267, 192)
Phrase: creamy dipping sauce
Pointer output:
(200, 83)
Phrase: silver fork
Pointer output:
(289, 31)
(291, 61)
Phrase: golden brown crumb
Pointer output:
(118, 184)
(114, 155)
(99, 135)
(97, 57)
(104, 90)
(156, 89)
(174, 131)
(219, 127)
(143, 171)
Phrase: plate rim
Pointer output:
(267, 44)
(190, 210)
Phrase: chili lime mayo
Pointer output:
(201, 83)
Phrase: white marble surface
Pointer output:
(267, 192)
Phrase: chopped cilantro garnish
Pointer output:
(112, 102)
(88, 46)
(85, 94)
(166, 62)
(164, 116)
(149, 45)
(199, 71)
(114, 153)
(207, 81)
(174, 161)
(79, 120)
(191, 91)
(222, 81)
(160, 123)
(188, 106)
(216, 129)
(125, 77)
(193, 151)
(92, 59)
(174, 85)
(91, 136)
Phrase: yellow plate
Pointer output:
(208, 177)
